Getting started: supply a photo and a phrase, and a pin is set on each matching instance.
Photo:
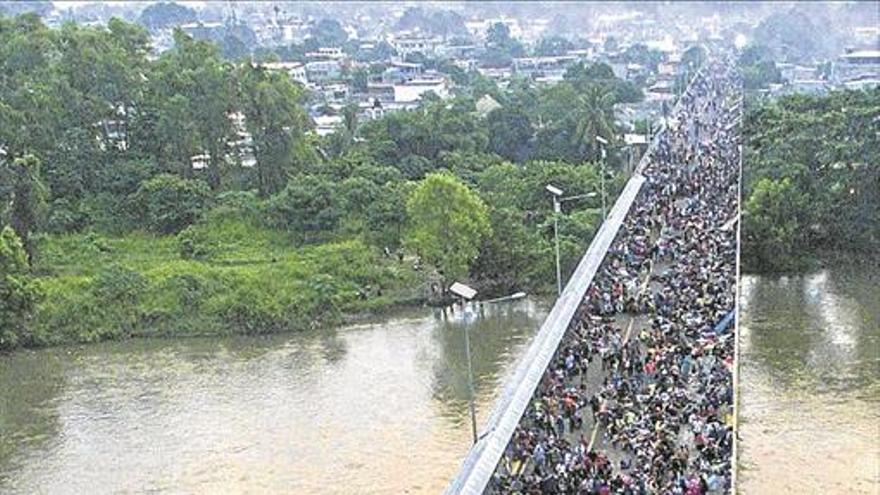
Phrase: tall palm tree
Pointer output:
(595, 117)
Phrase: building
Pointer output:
(382, 92)
(546, 67)
(370, 110)
(412, 91)
(296, 70)
(323, 70)
(793, 72)
(327, 124)
(327, 53)
(856, 68)
(406, 45)
(335, 92)
(861, 57)
(402, 71)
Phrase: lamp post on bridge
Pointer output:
(466, 294)
(557, 209)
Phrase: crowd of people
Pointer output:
(638, 397)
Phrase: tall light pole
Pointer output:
(466, 294)
(557, 209)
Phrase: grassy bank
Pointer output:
(230, 277)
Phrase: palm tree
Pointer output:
(595, 117)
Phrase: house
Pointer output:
(861, 57)
(543, 66)
(296, 70)
(401, 71)
(370, 110)
(382, 92)
(323, 70)
(327, 124)
(326, 53)
(406, 45)
(412, 91)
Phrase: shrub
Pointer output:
(65, 217)
(169, 204)
(308, 204)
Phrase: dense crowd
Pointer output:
(646, 361)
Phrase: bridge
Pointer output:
(629, 381)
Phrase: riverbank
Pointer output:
(250, 281)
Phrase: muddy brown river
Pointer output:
(810, 382)
(373, 408)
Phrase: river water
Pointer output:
(372, 408)
(810, 382)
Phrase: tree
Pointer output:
(272, 104)
(166, 14)
(514, 257)
(554, 45)
(309, 205)
(328, 32)
(169, 204)
(775, 224)
(189, 100)
(509, 132)
(757, 67)
(595, 118)
(500, 46)
(582, 76)
(19, 293)
(498, 35)
(639, 53)
(448, 223)
(27, 198)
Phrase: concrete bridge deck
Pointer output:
(483, 459)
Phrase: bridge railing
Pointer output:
(478, 466)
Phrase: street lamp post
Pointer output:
(557, 209)
(467, 293)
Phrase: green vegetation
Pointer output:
(18, 292)
(812, 180)
(184, 194)
(448, 222)
(244, 279)
(758, 69)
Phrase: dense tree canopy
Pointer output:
(328, 32)
(444, 23)
(758, 68)
(812, 180)
(210, 161)
(166, 14)
(553, 45)
(448, 223)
